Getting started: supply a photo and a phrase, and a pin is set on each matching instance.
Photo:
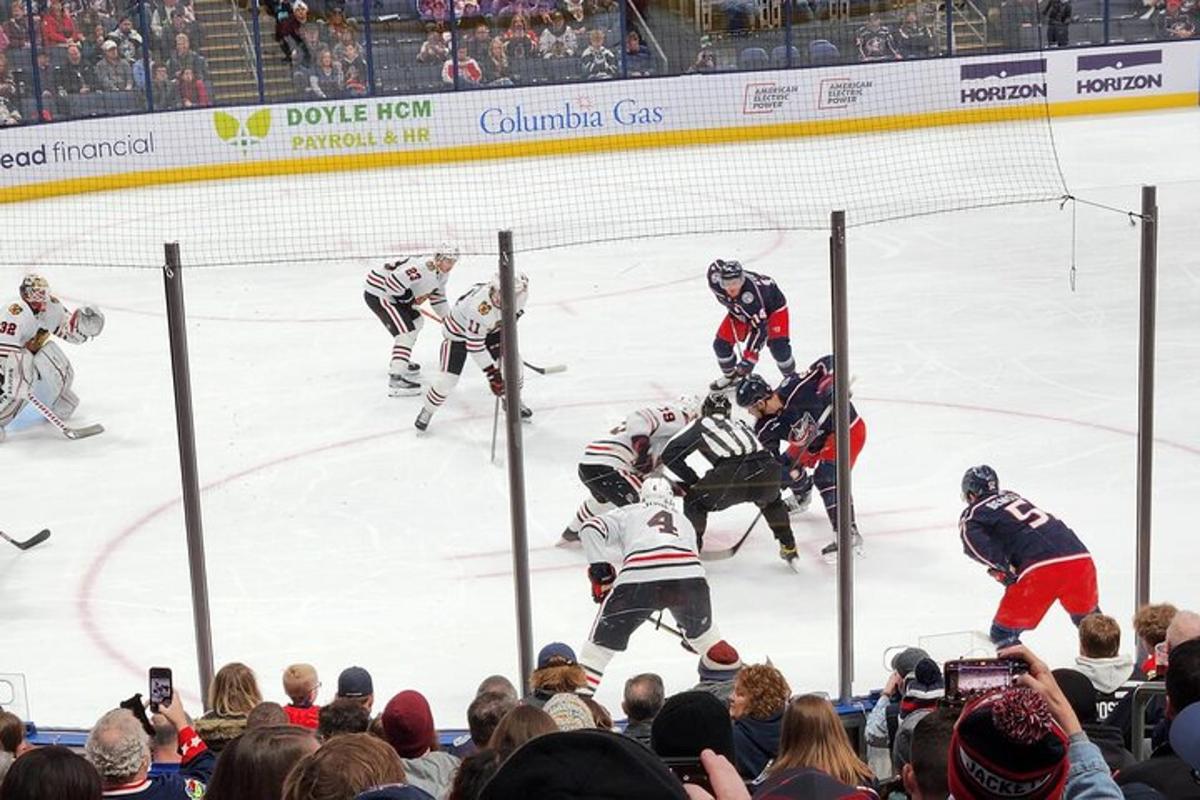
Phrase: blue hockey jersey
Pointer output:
(1007, 533)
(759, 297)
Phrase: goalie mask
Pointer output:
(35, 291)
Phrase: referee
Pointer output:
(736, 470)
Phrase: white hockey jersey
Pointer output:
(645, 542)
(657, 423)
(411, 282)
(473, 317)
(19, 325)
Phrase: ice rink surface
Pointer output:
(336, 535)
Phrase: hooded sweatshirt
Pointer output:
(1106, 674)
(433, 772)
(756, 743)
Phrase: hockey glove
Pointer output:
(495, 381)
(1002, 577)
(89, 321)
(744, 368)
(601, 574)
(643, 461)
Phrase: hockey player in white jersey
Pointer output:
(659, 568)
(473, 326)
(394, 292)
(612, 467)
(29, 356)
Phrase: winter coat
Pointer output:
(217, 731)
(192, 94)
(58, 30)
(195, 771)
(1166, 772)
(74, 78)
(639, 731)
(549, 38)
(1111, 745)
(303, 716)
(755, 743)
(433, 772)
(114, 77)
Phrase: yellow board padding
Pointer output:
(589, 144)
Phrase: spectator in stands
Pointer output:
(1101, 661)
(17, 28)
(915, 38)
(473, 774)
(255, 765)
(497, 684)
(311, 33)
(1082, 696)
(93, 45)
(924, 775)
(342, 768)
(557, 41)
(644, 697)
(601, 716)
(874, 41)
(356, 684)
(161, 29)
(638, 61)
(433, 10)
(192, 94)
(344, 715)
(760, 696)
(738, 14)
(166, 96)
(267, 714)
(1179, 21)
(8, 83)
(557, 671)
(45, 76)
(51, 772)
(813, 738)
(327, 80)
(689, 723)
(290, 22)
(597, 61)
(914, 694)
(436, 47)
(336, 26)
(12, 734)
(185, 58)
(3, 38)
(466, 73)
(58, 27)
(231, 696)
(1184, 627)
(119, 749)
(113, 73)
(519, 726)
(408, 728)
(706, 59)
(1150, 624)
(346, 47)
(484, 715)
(521, 41)
(181, 23)
(128, 40)
(356, 79)
(164, 746)
(480, 42)
(496, 71)
(1058, 22)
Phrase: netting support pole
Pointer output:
(1145, 437)
(511, 358)
(841, 410)
(186, 431)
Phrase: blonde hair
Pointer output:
(234, 691)
(812, 736)
(299, 681)
(766, 690)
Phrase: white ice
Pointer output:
(336, 535)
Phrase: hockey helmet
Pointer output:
(35, 291)
(980, 481)
(716, 405)
(751, 390)
(446, 252)
(657, 492)
(520, 289)
(689, 404)
(728, 272)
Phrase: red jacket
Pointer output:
(58, 30)
(304, 716)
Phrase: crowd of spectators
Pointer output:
(93, 59)
(740, 732)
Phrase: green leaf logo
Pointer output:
(226, 124)
(231, 130)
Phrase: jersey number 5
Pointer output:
(665, 522)
(1028, 513)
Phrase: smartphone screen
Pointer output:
(982, 678)
(161, 687)
(689, 770)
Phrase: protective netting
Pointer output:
(897, 135)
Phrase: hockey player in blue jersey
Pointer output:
(796, 422)
(756, 316)
(1034, 555)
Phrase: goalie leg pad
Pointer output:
(55, 377)
(16, 381)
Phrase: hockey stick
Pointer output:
(550, 369)
(495, 427)
(67, 431)
(660, 625)
(32, 541)
(721, 555)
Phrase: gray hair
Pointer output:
(1184, 627)
(117, 746)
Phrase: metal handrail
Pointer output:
(1137, 722)
(649, 34)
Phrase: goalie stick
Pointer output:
(67, 430)
(32, 541)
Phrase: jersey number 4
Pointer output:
(665, 522)
(1028, 513)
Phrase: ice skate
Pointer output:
(830, 551)
(797, 505)
(401, 386)
(569, 538)
(788, 553)
(724, 383)
(526, 413)
(423, 418)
